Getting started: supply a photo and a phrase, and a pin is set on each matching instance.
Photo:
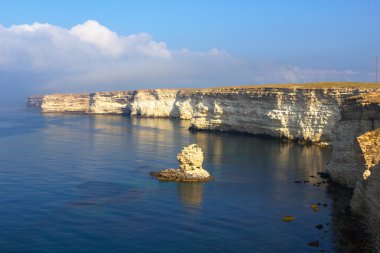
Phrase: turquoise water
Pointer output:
(80, 183)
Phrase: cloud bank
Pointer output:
(45, 58)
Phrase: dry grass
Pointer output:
(314, 85)
(369, 98)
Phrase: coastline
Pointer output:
(304, 113)
(321, 115)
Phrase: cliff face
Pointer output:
(356, 157)
(366, 199)
(298, 114)
(367, 153)
(305, 114)
(78, 103)
(359, 115)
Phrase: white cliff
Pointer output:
(299, 113)
(292, 113)
(111, 102)
(71, 103)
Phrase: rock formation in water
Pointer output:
(190, 167)
(305, 113)
(356, 157)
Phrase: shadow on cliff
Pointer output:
(181, 98)
(349, 233)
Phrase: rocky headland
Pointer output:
(190, 169)
(356, 157)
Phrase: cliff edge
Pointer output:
(306, 113)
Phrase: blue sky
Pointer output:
(317, 39)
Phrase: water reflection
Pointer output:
(88, 175)
(283, 157)
(191, 194)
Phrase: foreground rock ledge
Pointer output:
(190, 167)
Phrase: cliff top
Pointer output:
(307, 86)
(368, 99)
(313, 85)
(365, 106)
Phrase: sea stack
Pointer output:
(190, 167)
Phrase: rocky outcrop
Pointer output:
(302, 113)
(190, 167)
(356, 157)
(366, 198)
(360, 114)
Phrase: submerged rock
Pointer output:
(190, 167)
(319, 226)
(288, 218)
(314, 243)
(314, 207)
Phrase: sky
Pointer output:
(85, 46)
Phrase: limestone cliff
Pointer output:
(359, 115)
(292, 113)
(366, 199)
(356, 157)
(78, 103)
(301, 113)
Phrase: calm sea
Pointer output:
(80, 183)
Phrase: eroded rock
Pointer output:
(356, 158)
(304, 113)
(190, 169)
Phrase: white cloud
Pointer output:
(90, 57)
(93, 33)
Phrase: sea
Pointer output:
(81, 183)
